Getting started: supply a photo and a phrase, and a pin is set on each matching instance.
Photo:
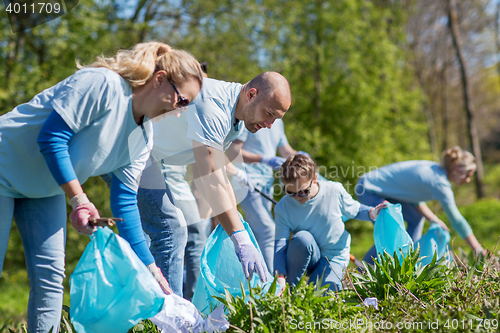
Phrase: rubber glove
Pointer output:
(250, 258)
(281, 281)
(82, 210)
(242, 177)
(274, 162)
(376, 210)
(160, 278)
(303, 153)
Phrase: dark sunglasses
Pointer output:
(182, 102)
(301, 193)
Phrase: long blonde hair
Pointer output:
(138, 65)
(457, 157)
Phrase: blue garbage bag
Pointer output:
(436, 239)
(390, 233)
(220, 268)
(111, 290)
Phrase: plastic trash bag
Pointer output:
(220, 268)
(111, 289)
(181, 316)
(389, 232)
(436, 239)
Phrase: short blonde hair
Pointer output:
(457, 157)
(139, 64)
(297, 167)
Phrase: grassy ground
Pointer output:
(482, 215)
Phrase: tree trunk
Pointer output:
(471, 121)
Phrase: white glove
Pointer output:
(158, 275)
(281, 281)
(244, 180)
(247, 254)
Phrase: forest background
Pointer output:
(373, 82)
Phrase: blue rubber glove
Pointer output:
(274, 162)
(303, 153)
(250, 258)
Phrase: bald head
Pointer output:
(272, 85)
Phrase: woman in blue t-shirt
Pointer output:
(93, 122)
(412, 183)
(313, 212)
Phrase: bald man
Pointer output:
(201, 135)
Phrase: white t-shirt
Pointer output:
(209, 119)
(96, 103)
(175, 176)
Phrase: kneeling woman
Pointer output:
(312, 210)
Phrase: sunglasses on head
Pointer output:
(301, 193)
(182, 102)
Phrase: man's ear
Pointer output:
(251, 94)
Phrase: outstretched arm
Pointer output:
(426, 212)
(212, 181)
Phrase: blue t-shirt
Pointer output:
(210, 120)
(264, 142)
(96, 104)
(415, 182)
(322, 217)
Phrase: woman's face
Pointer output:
(300, 189)
(168, 99)
(459, 177)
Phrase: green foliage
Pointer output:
(389, 276)
(266, 312)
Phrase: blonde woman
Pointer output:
(412, 183)
(312, 210)
(93, 122)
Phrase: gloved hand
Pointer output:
(281, 281)
(441, 223)
(376, 210)
(82, 210)
(250, 258)
(303, 153)
(160, 278)
(274, 162)
(242, 177)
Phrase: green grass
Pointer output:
(482, 216)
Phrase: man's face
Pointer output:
(262, 113)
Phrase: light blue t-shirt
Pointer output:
(96, 103)
(209, 119)
(322, 217)
(264, 142)
(175, 176)
(415, 182)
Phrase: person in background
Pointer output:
(200, 136)
(312, 210)
(412, 183)
(259, 154)
(93, 122)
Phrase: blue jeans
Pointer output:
(257, 211)
(415, 221)
(197, 236)
(167, 231)
(303, 257)
(42, 225)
